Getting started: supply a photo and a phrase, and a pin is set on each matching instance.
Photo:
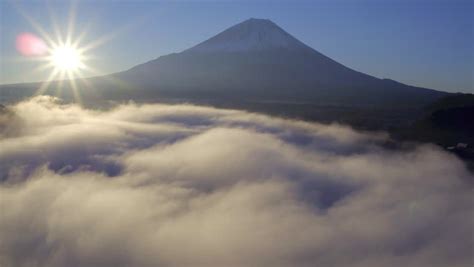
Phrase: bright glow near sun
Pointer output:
(63, 53)
(66, 58)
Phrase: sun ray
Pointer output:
(36, 26)
(67, 54)
(54, 23)
(71, 22)
(45, 66)
(80, 37)
(44, 86)
(75, 91)
(59, 83)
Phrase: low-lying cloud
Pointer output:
(183, 185)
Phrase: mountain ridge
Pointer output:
(257, 59)
(251, 34)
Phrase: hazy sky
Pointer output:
(423, 43)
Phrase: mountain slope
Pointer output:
(258, 60)
(252, 34)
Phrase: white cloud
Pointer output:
(182, 185)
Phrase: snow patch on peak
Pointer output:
(252, 34)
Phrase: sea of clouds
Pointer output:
(184, 185)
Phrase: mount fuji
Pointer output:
(258, 60)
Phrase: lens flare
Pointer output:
(29, 45)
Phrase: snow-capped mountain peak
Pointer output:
(252, 34)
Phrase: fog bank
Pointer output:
(184, 185)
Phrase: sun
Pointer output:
(66, 59)
(64, 54)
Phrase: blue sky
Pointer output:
(418, 42)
